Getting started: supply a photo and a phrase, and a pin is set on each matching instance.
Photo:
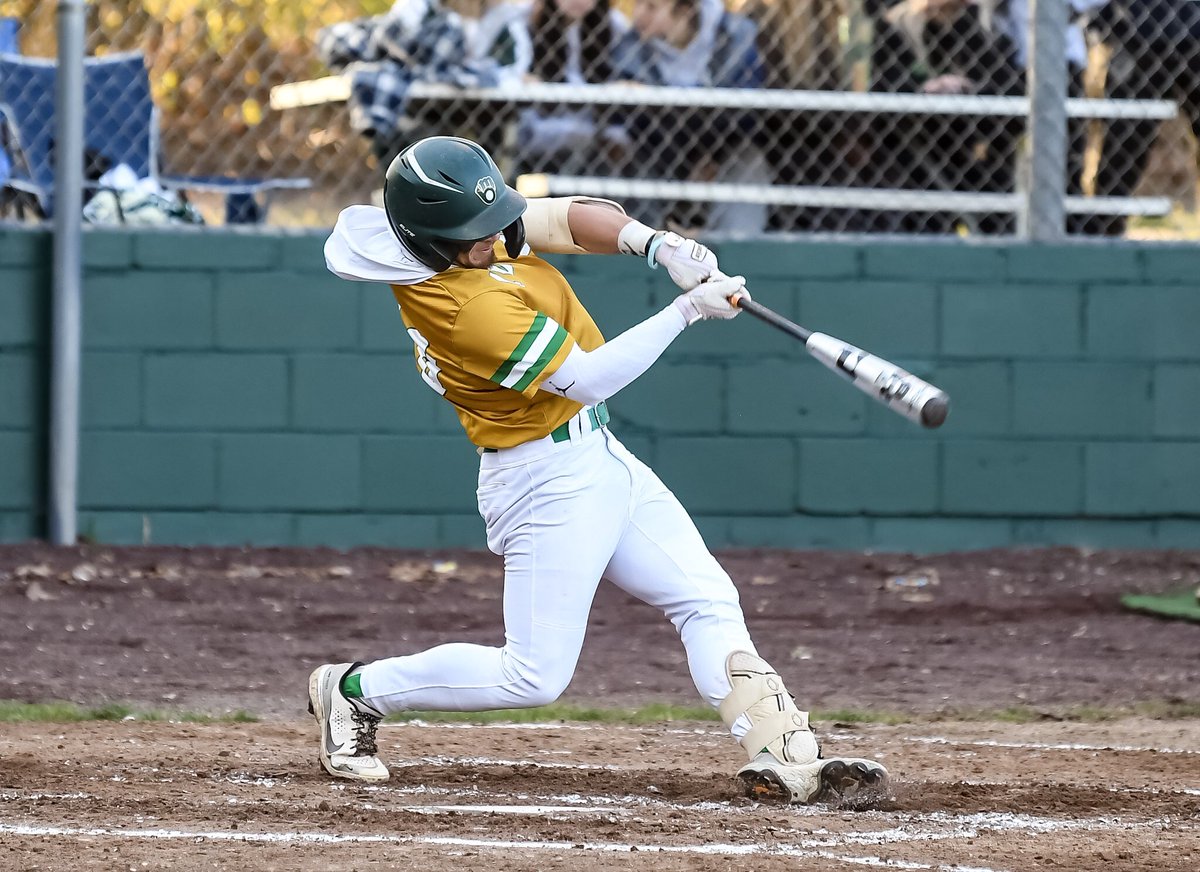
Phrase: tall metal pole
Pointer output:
(1043, 213)
(67, 316)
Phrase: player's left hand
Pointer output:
(688, 262)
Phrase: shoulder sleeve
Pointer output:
(497, 337)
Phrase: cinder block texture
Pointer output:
(792, 398)
(107, 249)
(21, 389)
(1087, 399)
(112, 390)
(931, 535)
(352, 530)
(1177, 401)
(361, 393)
(992, 477)
(1144, 323)
(711, 475)
(868, 476)
(1010, 321)
(790, 260)
(1107, 263)
(140, 471)
(148, 310)
(20, 470)
(419, 474)
(21, 247)
(282, 472)
(207, 249)
(216, 391)
(935, 261)
(1136, 478)
(799, 531)
(884, 318)
(681, 398)
(286, 311)
(23, 306)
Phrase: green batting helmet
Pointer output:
(443, 193)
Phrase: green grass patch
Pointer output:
(567, 713)
(656, 713)
(854, 716)
(12, 711)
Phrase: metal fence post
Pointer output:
(1043, 213)
(67, 269)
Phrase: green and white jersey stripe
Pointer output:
(536, 349)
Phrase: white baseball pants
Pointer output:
(564, 515)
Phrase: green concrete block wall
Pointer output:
(24, 291)
(235, 392)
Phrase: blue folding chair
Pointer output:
(9, 43)
(121, 126)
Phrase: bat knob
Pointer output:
(934, 412)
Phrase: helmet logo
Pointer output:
(486, 189)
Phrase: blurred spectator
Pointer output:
(1154, 53)
(1012, 19)
(695, 43)
(501, 34)
(572, 43)
(944, 47)
(415, 41)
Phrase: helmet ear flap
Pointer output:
(514, 238)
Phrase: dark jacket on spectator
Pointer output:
(909, 51)
(733, 60)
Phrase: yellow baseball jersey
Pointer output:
(486, 339)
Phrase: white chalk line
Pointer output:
(451, 841)
(697, 731)
(1042, 746)
(831, 735)
(443, 760)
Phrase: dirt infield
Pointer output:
(219, 630)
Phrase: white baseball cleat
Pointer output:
(785, 760)
(832, 779)
(347, 726)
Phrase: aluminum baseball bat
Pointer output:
(898, 389)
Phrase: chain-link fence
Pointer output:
(727, 116)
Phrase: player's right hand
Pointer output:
(711, 298)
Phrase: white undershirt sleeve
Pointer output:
(591, 376)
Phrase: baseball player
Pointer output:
(500, 334)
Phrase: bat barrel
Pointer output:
(934, 412)
(898, 389)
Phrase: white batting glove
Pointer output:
(711, 298)
(688, 262)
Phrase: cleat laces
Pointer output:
(364, 733)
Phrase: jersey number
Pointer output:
(425, 362)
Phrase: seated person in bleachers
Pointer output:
(943, 47)
(500, 33)
(695, 43)
(1153, 49)
(416, 41)
(572, 43)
